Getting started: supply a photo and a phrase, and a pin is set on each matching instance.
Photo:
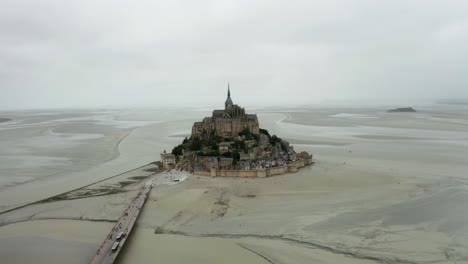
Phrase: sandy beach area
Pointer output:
(337, 210)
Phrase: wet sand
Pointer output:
(334, 211)
(51, 241)
(393, 196)
(213, 250)
(77, 161)
(277, 209)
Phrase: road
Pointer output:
(125, 225)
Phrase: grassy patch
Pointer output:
(221, 202)
(158, 163)
(138, 178)
(80, 195)
(155, 169)
(159, 230)
(125, 183)
(54, 199)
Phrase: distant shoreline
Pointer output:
(4, 119)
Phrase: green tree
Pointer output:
(255, 137)
(217, 139)
(264, 131)
(177, 150)
(195, 145)
(240, 144)
(274, 139)
(214, 144)
(213, 153)
(235, 155)
(283, 147)
(245, 132)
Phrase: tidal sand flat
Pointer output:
(38, 150)
(392, 192)
(278, 209)
(45, 154)
(217, 249)
(128, 139)
(97, 206)
(51, 241)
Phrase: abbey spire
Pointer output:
(228, 102)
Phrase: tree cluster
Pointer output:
(210, 145)
(248, 135)
(273, 139)
(196, 144)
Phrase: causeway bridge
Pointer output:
(117, 237)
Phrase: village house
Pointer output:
(250, 143)
(224, 147)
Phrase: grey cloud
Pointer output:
(98, 53)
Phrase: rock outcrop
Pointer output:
(402, 110)
(263, 141)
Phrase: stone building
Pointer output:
(168, 160)
(224, 147)
(225, 163)
(245, 156)
(210, 163)
(226, 123)
(250, 143)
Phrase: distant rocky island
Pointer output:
(3, 119)
(231, 143)
(402, 110)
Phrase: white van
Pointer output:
(115, 246)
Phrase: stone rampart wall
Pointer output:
(237, 173)
(202, 173)
(291, 167)
(277, 170)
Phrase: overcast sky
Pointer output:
(155, 53)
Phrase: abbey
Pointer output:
(226, 123)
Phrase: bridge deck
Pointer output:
(105, 254)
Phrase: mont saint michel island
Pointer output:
(231, 143)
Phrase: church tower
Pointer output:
(228, 102)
